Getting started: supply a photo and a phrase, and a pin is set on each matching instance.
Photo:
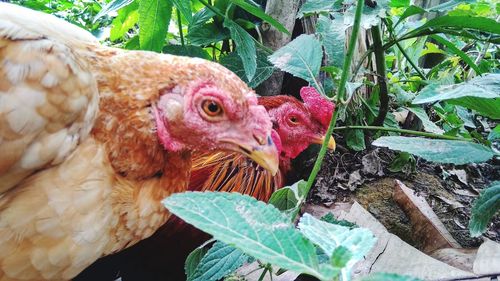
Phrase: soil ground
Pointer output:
(365, 177)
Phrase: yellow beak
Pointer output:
(264, 153)
(321, 139)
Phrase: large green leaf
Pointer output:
(481, 94)
(429, 126)
(112, 6)
(264, 67)
(332, 36)
(126, 20)
(245, 47)
(410, 11)
(218, 262)
(441, 151)
(485, 207)
(257, 11)
(481, 24)
(184, 6)
(301, 58)
(186, 50)
(252, 226)
(154, 17)
(205, 34)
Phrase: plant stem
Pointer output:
(403, 131)
(381, 75)
(179, 23)
(215, 10)
(340, 94)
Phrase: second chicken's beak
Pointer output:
(321, 139)
(265, 154)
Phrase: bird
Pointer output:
(92, 138)
(296, 125)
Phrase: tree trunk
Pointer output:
(285, 12)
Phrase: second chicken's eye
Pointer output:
(211, 108)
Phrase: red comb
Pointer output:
(320, 108)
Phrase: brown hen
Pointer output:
(92, 138)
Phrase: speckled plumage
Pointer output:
(82, 167)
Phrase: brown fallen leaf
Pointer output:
(425, 223)
(459, 258)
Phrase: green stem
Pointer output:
(381, 75)
(215, 10)
(417, 69)
(179, 23)
(340, 94)
(403, 131)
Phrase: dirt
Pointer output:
(364, 177)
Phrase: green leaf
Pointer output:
(330, 218)
(201, 17)
(184, 6)
(193, 260)
(380, 276)
(355, 139)
(340, 257)
(187, 50)
(441, 151)
(257, 11)
(154, 17)
(429, 126)
(126, 20)
(264, 67)
(371, 15)
(410, 11)
(220, 261)
(289, 198)
(329, 237)
(481, 94)
(245, 47)
(494, 134)
(404, 162)
(399, 3)
(484, 208)
(316, 6)
(133, 43)
(252, 226)
(112, 6)
(481, 24)
(332, 36)
(452, 48)
(206, 34)
(301, 58)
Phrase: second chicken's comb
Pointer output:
(320, 108)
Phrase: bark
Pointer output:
(285, 12)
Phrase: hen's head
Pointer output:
(214, 110)
(299, 124)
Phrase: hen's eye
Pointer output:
(294, 120)
(211, 108)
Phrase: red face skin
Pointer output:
(298, 124)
